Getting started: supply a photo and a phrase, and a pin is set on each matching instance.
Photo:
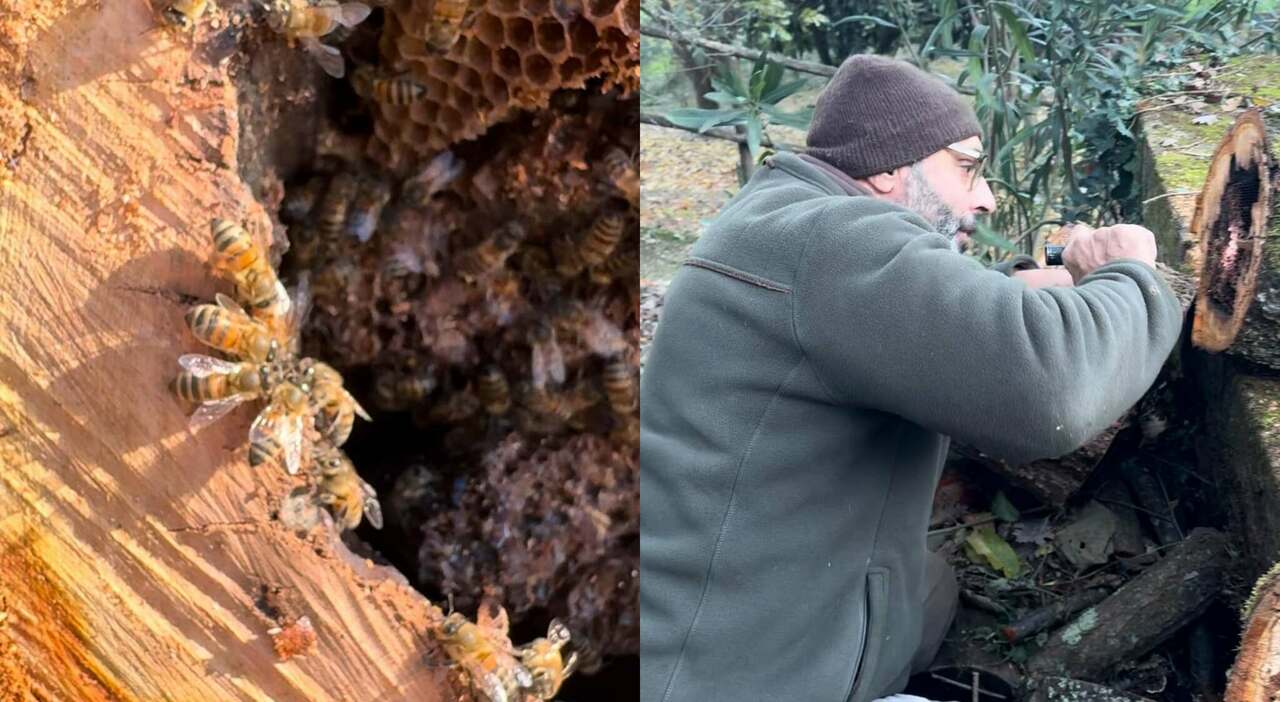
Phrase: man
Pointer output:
(816, 354)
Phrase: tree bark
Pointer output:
(1237, 222)
(1142, 614)
(1253, 676)
(140, 561)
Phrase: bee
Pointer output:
(568, 257)
(620, 386)
(542, 658)
(397, 390)
(490, 254)
(277, 433)
(334, 207)
(298, 19)
(226, 327)
(601, 239)
(490, 664)
(396, 90)
(547, 359)
(236, 255)
(217, 386)
(448, 19)
(600, 335)
(183, 14)
(301, 200)
(624, 267)
(439, 173)
(347, 496)
(559, 408)
(366, 208)
(494, 392)
(334, 405)
(621, 172)
(456, 407)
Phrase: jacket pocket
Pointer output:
(874, 610)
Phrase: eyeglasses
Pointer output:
(979, 160)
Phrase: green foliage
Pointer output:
(752, 105)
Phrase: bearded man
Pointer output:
(817, 352)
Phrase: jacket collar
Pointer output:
(818, 172)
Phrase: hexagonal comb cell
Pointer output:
(521, 51)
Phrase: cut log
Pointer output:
(1255, 677)
(1052, 615)
(1236, 222)
(1142, 614)
(1055, 689)
(140, 561)
(1055, 480)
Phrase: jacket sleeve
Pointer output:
(1021, 262)
(893, 320)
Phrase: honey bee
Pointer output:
(277, 433)
(547, 362)
(559, 408)
(298, 19)
(366, 208)
(217, 386)
(301, 200)
(396, 90)
(439, 173)
(397, 390)
(620, 170)
(620, 386)
(600, 335)
(542, 658)
(623, 267)
(494, 392)
(456, 407)
(335, 406)
(334, 207)
(601, 239)
(236, 255)
(348, 497)
(183, 14)
(490, 664)
(226, 327)
(568, 257)
(490, 254)
(448, 19)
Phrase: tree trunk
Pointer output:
(140, 561)
(1238, 227)
(1142, 614)
(1253, 677)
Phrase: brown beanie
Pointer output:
(879, 113)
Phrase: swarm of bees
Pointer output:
(503, 673)
(308, 413)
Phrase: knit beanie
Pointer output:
(879, 113)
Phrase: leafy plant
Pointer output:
(753, 105)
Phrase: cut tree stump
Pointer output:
(1238, 227)
(1255, 677)
(139, 561)
(1142, 614)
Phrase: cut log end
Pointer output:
(1231, 223)
(1255, 677)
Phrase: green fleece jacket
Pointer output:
(815, 356)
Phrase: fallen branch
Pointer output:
(817, 69)
(717, 133)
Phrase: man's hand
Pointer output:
(1045, 278)
(1090, 248)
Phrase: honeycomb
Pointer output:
(433, 312)
(510, 55)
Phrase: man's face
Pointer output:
(948, 190)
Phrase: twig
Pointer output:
(717, 132)
(1170, 194)
(817, 69)
(964, 686)
(984, 520)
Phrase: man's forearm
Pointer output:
(1045, 278)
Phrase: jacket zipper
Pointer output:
(862, 641)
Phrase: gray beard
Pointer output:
(924, 201)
